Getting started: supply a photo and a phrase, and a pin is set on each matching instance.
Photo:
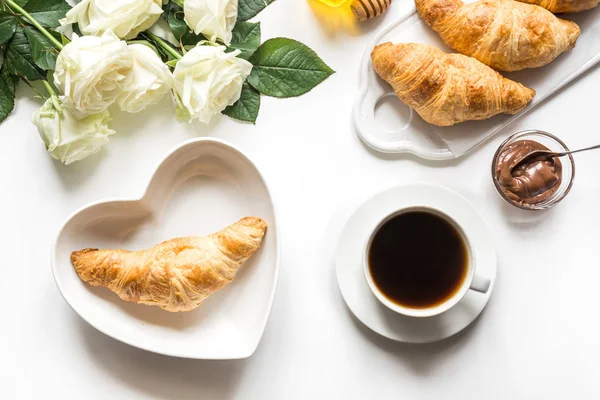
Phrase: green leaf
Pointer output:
(47, 12)
(42, 51)
(249, 8)
(19, 60)
(286, 68)
(8, 27)
(246, 108)
(182, 32)
(246, 37)
(76, 31)
(176, 22)
(7, 94)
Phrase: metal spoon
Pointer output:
(542, 155)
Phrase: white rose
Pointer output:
(212, 18)
(68, 139)
(207, 80)
(91, 71)
(126, 18)
(150, 80)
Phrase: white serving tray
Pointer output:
(385, 124)
(203, 185)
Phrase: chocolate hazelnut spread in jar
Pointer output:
(532, 183)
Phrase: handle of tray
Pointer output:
(405, 146)
(367, 129)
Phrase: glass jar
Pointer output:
(553, 144)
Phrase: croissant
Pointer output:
(176, 275)
(564, 6)
(504, 34)
(447, 88)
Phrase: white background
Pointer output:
(537, 339)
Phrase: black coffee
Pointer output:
(418, 260)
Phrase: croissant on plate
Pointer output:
(447, 88)
(564, 6)
(504, 34)
(176, 275)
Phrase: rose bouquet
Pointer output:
(211, 62)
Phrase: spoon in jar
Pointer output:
(542, 155)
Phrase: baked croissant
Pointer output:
(504, 34)
(447, 88)
(564, 6)
(176, 275)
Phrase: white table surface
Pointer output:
(537, 339)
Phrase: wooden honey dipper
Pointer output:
(367, 9)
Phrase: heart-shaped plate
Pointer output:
(202, 186)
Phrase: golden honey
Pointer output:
(334, 3)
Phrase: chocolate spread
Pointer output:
(531, 182)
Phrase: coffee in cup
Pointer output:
(418, 262)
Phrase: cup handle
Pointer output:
(480, 284)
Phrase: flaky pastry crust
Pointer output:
(504, 34)
(447, 88)
(176, 275)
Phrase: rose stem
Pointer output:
(178, 2)
(52, 95)
(167, 47)
(34, 22)
(48, 87)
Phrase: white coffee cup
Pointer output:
(472, 281)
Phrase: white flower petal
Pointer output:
(212, 18)
(91, 72)
(126, 18)
(69, 139)
(206, 80)
(149, 82)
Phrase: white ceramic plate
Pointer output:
(353, 284)
(201, 187)
(385, 124)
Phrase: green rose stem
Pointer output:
(33, 21)
(49, 88)
(178, 2)
(52, 95)
(167, 47)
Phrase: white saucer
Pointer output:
(352, 282)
